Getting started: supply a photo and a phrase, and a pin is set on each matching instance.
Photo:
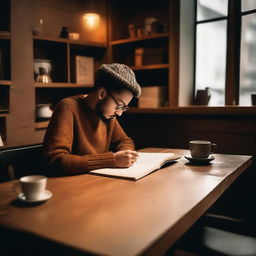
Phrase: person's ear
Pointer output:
(102, 93)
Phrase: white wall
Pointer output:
(186, 68)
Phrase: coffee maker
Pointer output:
(42, 69)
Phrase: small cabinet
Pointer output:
(61, 54)
(56, 53)
(148, 57)
(142, 36)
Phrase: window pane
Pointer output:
(208, 9)
(211, 59)
(248, 59)
(248, 5)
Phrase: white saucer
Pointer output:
(46, 195)
(200, 160)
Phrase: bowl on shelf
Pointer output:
(74, 36)
(44, 111)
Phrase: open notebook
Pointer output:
(146, 163)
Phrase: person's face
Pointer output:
(113, 104)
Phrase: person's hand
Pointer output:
(125, 158)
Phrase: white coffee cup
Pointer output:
(201, 148)
(32, 187)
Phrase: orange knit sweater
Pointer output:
(77, 140)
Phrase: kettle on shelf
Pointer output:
(43, 77)
(42, 70)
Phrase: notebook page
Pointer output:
(146, 163)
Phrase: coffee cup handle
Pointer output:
(213, 148)
(16, 188)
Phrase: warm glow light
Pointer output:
(91, 20)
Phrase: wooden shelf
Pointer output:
(41, 125)
(153, 66)
(5, 35)
(61, 85)
(74, 42)
(5, 82)
(137, 39)
(196, 110)
(86, 43)
(54, 39)
(4, 111)
(3, 114)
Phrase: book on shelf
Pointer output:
(146, 164)
(152, 97)
(138, 56)
(149, 56)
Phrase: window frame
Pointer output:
(234, 20)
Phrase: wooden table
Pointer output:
(101, 215)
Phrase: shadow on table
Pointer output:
(22, 243)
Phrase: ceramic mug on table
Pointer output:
(32, 187)
(201, 148)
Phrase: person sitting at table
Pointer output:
(84, 134)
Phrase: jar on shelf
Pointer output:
(37, 30)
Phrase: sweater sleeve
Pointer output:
(58, 143)
(120, 141)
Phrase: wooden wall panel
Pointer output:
(20, 121)
(233, 134)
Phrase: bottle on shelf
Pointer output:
(64, 32)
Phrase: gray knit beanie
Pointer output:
(118, 76)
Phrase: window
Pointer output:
(207, 9)
(211, 38)
(248, 5)
(248, 55)
(226, 50)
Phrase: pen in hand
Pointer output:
(125, 158)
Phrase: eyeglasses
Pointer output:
(119, 106)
